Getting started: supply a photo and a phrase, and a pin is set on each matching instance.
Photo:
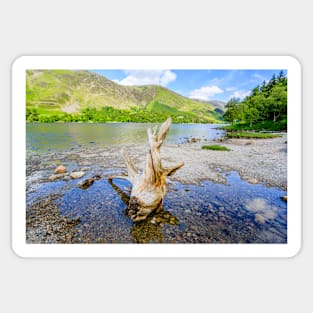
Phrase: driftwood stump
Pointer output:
(149, 187)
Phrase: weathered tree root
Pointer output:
(149, 187)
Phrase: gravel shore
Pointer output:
(256, 161)
(259, 161)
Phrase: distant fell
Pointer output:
(53, 95)
(219, 105)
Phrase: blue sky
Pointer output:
(199, 84)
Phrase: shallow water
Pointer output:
(235, 212)
(47, 137)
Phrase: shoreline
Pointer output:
(257, 161)
(193, 214)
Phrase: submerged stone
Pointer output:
(56, 176)
(86, 183)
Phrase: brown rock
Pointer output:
(193, 139)
(284, 198)
(250, 142)
(88, 182)
(253, 181)
(60, 169)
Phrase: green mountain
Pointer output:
(219, 105)
(65, 95)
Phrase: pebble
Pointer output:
(259, 218)
(45, 224)
(253, 181)
(60, 169)
(86, 183)
(158, 220)
(250, 142)
(56, 176)
(76, 175)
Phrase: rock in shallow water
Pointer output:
(60, 169)
(76, 175)
(56, 176)
(253, 181)
(86, 183)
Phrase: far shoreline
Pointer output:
(116, 122)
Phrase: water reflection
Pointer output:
(125, 196)
(263, 210)
(150, 230)
(235, 212)
(45, 137)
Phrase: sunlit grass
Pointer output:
(216, 148)
(252, 135)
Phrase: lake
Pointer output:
(231, 212)
(45, 137)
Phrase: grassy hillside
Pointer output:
(65, 95)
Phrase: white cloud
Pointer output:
(231, 88)
(241, 94)
(147, 77)
(205, 93)
(262, 209)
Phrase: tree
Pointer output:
(266, 102)
(277, 102)
(252, 113)
(234, 110)
(258, 102)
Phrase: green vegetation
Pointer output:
(251, 135)
(259, 126)
(264, 109)
(82, 96)
(109, 114)
(216, 147)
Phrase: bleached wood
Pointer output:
(149, 188)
